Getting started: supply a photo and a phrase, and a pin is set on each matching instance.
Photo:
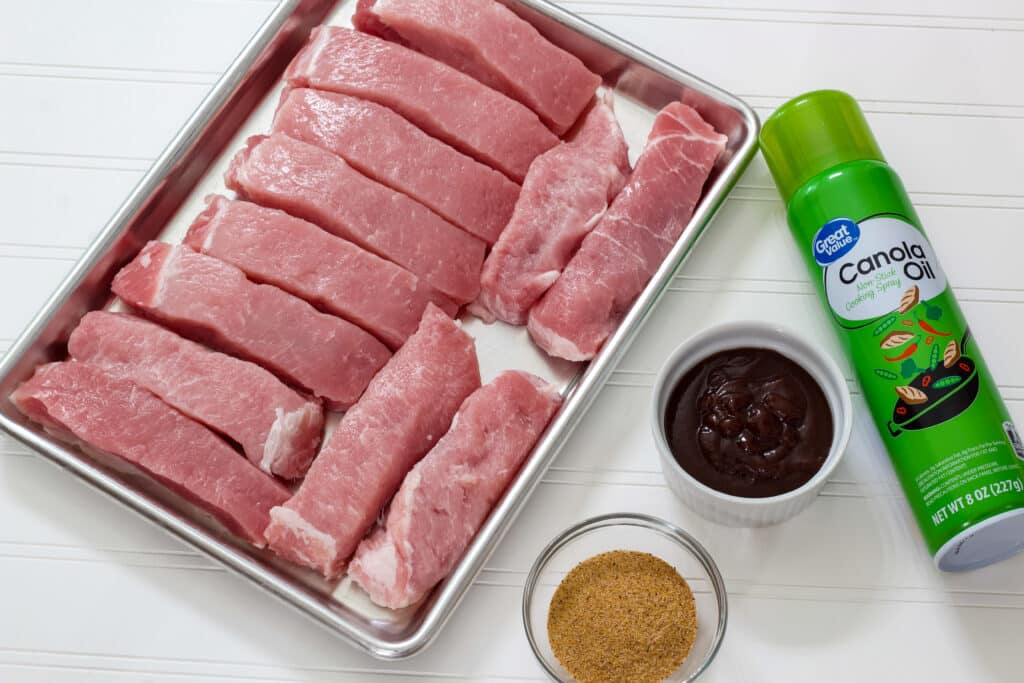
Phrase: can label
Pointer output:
(881, 258)
(952, 442)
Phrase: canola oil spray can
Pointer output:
(952, 443)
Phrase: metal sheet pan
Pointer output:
(172, 192)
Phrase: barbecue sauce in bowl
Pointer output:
(749, 422)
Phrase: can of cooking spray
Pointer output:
(952, 443)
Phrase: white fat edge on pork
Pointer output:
(213, 224)
(302, 528)
(166, 272)
(554, 343)
(284, 428)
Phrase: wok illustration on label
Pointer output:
(935, 395)
(934, 381)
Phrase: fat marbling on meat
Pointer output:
(405, 410)
(311, 183)
(565, 193)
(617, 260)
(443, 101)
(379, 143)
(80, 402)
(278, 428)
(213, 302)
(486, 40)
(337, 276)
(446, 497)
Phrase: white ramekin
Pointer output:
(735, 510)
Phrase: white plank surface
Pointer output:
(844, 592)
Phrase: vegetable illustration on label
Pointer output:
(923, 324)
(906, 353)
(886, 324)
(926, 387)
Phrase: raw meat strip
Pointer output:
(79, 402)
(381, 144)
(277, 428)
(564, 196)
(405, 410)
(313, 184)
(337, 276)
(446, 498)
(444, 102)
(594, 55)
(211, 301)
(616, 260)
(485, 40)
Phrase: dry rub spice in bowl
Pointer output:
(605, 600)
(622, 616)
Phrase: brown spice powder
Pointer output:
(622, 617)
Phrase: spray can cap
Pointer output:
(811, 134)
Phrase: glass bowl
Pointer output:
(641, 533)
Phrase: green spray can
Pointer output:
(952, 443)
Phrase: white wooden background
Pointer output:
(92, 90)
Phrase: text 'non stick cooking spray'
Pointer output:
(952, 443)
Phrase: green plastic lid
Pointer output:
(811, 134)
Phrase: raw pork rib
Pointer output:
(616, 260)
(339, 277)
(485, 40)
(313, 184)
(564, 196)
(80, 402)
(277, 427)
(405, 410)
(211, 301)
(446, 498)
(381, 144)
(444, 102)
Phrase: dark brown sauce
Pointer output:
(749, 422)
